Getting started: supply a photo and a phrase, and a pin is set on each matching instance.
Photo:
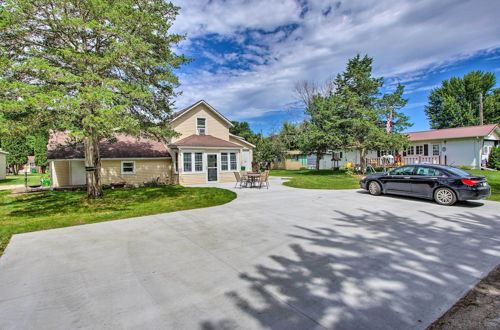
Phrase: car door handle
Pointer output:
(407, 177)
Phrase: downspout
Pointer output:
(479, 151)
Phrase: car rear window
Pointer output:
(458, 171)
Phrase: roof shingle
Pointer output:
(61, 146)
(452, 133)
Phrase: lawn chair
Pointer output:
(240, 179)
(264, 179)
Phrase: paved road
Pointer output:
(279, 259)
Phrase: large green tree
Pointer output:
(94, 67)
(361, 117)
(456, 102)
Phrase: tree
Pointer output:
(243, 129)
(317, 134)
(494, 158)
(268, 150)
(17, 147)
(289, 135)
(363, 119)
(456, 102)
(38, 145)
(94, 68)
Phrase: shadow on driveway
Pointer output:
(392, 272)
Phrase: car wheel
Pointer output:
(374, 188)
(445, 196)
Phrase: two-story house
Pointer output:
(204, 152)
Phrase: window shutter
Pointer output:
(404, 153)
(378, 153)
(426, 150)
(340, 154)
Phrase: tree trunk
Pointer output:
(362, 156)
(93, 166)
(318, 159)
(15, 169)
(43, 168)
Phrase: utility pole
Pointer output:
(481, 119)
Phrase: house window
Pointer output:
(224, 165)
(198, 162)
(187, 166)
(234, 163)
(435, 149)
(128, 167)
(411, 150)
(228, 161)
(419, 150)
(201, 126)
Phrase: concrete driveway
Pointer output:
(281, 258)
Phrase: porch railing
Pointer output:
(418, 159)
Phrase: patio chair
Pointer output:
(264, 179)
(240, 179)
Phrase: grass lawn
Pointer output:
(322, 179)
(493, 178)
(55, 209)
(33, 179)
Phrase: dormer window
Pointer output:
(201, 126)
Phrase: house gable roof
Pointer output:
(184, 111)
(62, 146)
(453, 133)
(204, 141)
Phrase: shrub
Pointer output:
(494, 158)
(155, 182)
(465, 167)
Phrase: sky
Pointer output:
(249, 54)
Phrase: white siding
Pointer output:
(3, 166)
(462, 152)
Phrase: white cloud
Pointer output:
(406, 39)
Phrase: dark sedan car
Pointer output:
(444, 184)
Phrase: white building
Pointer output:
(3, 164)
(460, 146)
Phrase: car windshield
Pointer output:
(458, 171)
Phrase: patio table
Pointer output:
(252, 178)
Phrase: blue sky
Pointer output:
(249, 54)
